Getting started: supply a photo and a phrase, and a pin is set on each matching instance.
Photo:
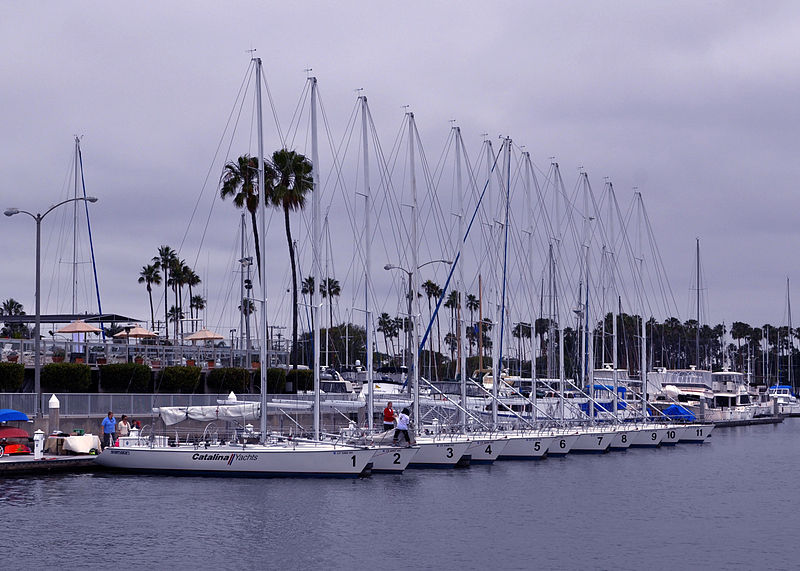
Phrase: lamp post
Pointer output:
(410, 296)
(37, 360)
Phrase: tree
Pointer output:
(12, 307)
(386, 325)
(150, 275)
(240, 180)
(330, 289)
(288, 184)
(191, 279)
(431, 290)
(164, 260)
(308, 289)
(198, 303)
(473, 305)
(453, 302)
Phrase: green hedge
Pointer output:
(11, 376)
(179, 380)
(66, 378)
(228, 379)
(126, 377)
(301, 379)
(276, 381)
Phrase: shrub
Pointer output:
(126, 377)
(276, 381)
(66, 378)
(228, 379)
(178, 380)
(11, 376)
(301, 379)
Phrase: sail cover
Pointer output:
(234, 412)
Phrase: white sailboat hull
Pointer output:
(521, 447)
(697, 433)
(592, 441)
(393, 460)
(323, 460)
(562, 444)
(439, 453)
(622, 439)
(645, 437)
(486, 451)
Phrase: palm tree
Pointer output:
(240, 180)
(178, 271)
(473, 304)
(385, 325)
(192, 280)
(307, 288)
(431, 290)
(288, 183)
(175, 314)
(330, 288)
(164, 261)
(150, 275)
(12, 307)
(198, 303)
(452, 303)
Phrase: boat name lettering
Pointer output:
(246, 457)
(224, 457)
(110, 451)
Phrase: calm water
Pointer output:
(730, 503)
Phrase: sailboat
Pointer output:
(271, 455)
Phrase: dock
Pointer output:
(11, 466)
(760, 420)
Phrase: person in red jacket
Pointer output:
(388, 417)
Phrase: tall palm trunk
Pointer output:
(294, 285)
(255, 237)
(166, 301)
(152, 314)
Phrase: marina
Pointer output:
(540, 501)
(426, 286)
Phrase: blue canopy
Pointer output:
(677, 412)
(11, 414)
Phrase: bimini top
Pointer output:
(780, 387)
(7, 414)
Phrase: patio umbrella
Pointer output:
(205, 335)
(79, 326)
(137, 332)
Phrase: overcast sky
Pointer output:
(693, 103)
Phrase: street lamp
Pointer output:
(410, 295)
(37, 360)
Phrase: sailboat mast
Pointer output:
(75, 235)
(462, 324)
(242, 307)
(531, 281)
(262, 333)
(697, 333)
(413, 277)
(315, 219)
(789, 335)
(367, 267)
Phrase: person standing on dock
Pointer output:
(402, 428)
(109, 428)
(388, 417)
